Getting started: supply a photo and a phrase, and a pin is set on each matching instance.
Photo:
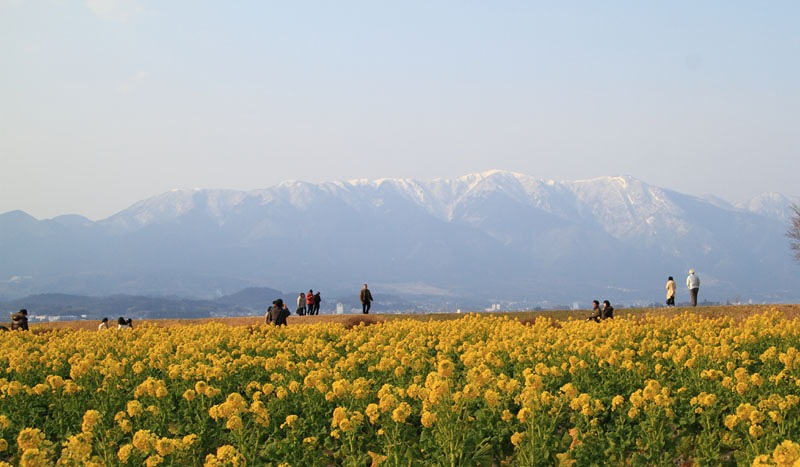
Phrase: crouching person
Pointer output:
(597, 313)
(608, 310)
(19, 320)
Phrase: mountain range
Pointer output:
(492, 237)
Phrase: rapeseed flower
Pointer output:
(30, 438)
(90, 419)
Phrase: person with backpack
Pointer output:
(277, 314)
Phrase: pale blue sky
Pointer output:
(104, 103)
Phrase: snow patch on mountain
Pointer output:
(174, 204)
(772, 205)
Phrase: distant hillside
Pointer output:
(493, 237)
(138, 307)
(247, 302)
(253, 298)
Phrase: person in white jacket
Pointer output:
(670, 291)
(693, 284)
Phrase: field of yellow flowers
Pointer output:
(643, 389)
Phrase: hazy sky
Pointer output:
(106, 102)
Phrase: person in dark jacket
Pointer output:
(366, 299)
(597, 313)
(608, 310)
(317, 301)
(277, 314)
(19, 320)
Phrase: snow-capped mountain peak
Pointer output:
(494, 232)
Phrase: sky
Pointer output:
(107, 102)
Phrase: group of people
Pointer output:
(308, 303)
(277, 313)
(122, 323)
(692, 283)
(598, 313)
(19, 322)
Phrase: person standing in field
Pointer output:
(670, 292)
(317, 301)
(301, 304)
(19, 320)
(310, 302)
(366, 299)
(277, 314)
(103, 324)
(693, 284)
